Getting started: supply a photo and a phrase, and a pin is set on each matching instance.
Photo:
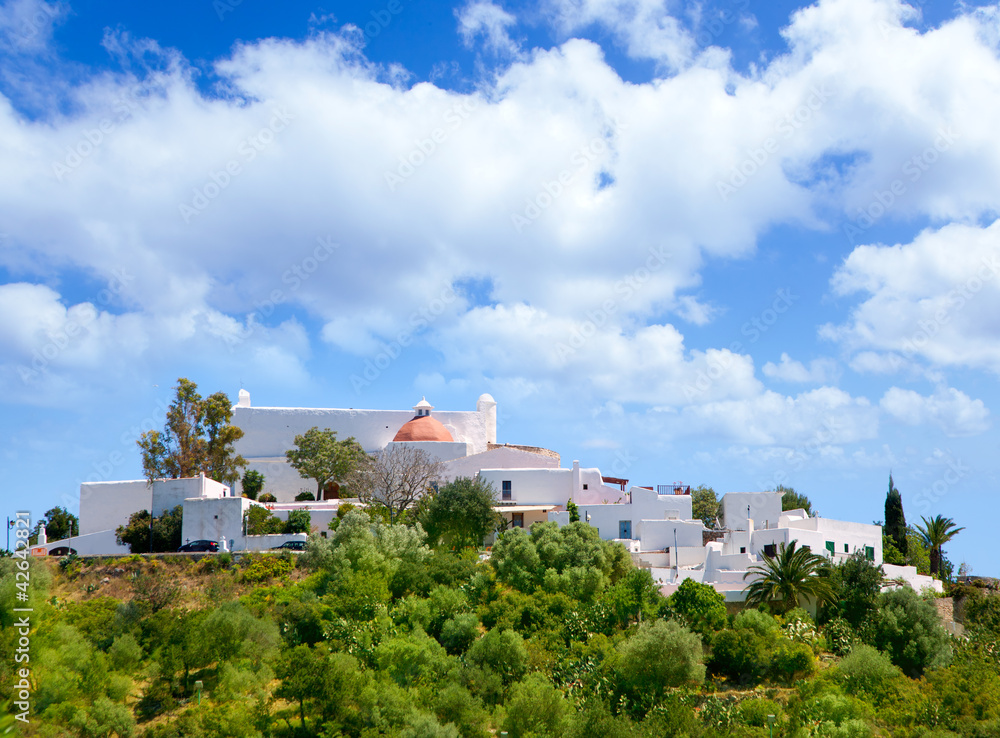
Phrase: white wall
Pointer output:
(765, 509)
(438, 450)
(645, 504)
(169, 493)
(102, 543)
(214, 519)
(660, 534)
(106, 505)
(267, 542)
(497, 458)
(532, 486)
(270, 431)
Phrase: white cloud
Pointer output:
(820, 418)
(492, 22)
(419, 187)
(935, 299)
(948, 408)
(819, 371)
(645, 28)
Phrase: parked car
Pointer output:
(200, 545)
(62, 551)
(290, 546)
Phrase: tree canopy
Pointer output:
(196, 438)
(394, 478)
(785, 579)
(704, 505)
(935, 533)
(165, 530)
(792, 500)
(461, 513)
(318, 455)
(895, 519)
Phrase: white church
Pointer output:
(655, 525)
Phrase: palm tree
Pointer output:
(936, 532)
(792, 574)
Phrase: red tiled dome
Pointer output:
(423, 428)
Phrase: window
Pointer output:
(505, 490)
(585, 486)
(770, 549)
(845, 549)
(831, 546)
(625, 529)
(869, 553)
(743, 549)
(517, 520)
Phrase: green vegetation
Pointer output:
(895, 519)
(704, 505)
(319, 456)
(380, 630)
(788, 578)
(934, 534)
(253, 483)
(165, 530)
(197, 437)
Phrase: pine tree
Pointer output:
(895, 520)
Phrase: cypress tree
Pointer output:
(895, 520)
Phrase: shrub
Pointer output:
(839, 636)
(304, 497)
(267, 497)
(458, 633)
(700, 606)
(266, 568)
(907, 628)
(535, 708)
(754, 712)
(659, 656)
(792, 661)
(867, 671)
(299, 521)
(503, 651)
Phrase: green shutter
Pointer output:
(869, 553)
(830, 546)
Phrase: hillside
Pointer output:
(373, 632)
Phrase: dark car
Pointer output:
(62, 551)
(290, 546)
(200, 546)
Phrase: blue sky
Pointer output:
(729, 243)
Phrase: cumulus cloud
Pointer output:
(486, 20)
(316, 184)
(788, 369)
(934, 299)
(950, 409)
(646, 28)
